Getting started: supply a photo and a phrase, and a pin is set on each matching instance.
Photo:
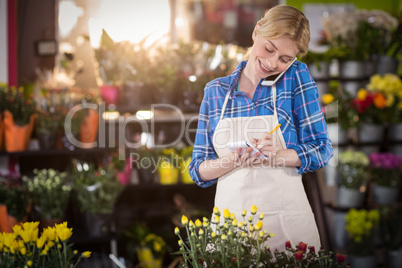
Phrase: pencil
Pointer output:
(272, 131)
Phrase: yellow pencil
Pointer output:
(272, 131)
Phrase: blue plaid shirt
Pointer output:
(299, 112)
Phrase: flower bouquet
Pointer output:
(242, 244)
(50, 193)
(26, 248)
(385, 175)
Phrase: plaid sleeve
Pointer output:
(314, 146)
(203, 148)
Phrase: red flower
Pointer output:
(234, 259)
(299, 255)
(312, 249)
(302, 246)
(288, 245)
(340, 258)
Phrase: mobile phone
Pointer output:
(244, 145)
(272, 79)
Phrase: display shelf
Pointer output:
(54, 152)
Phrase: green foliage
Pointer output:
(16, 198)
(353, 169)
(49, 191)
(390, 226)
(96, 190)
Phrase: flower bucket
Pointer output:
(386, 65)
(146, 259)
(363, 261)
(349, 198)
(383, 195)
(109, 94)
(185, 175)
(371, 133)
(16, 137)
(321, 71)
(89, 129)
(394, 258)
(352, 69)
(168, 174)
(395, 132)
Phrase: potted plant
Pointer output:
(165, 70)
(385, 171)
(238, 243)
(26, 246)
(145, 160)
(95, 192)
(46, 126)
(390, 233)
(361, 226)
(50, 193)
(14, 204)
(353, 172)
(18, 117)
(319, 62)
(151, 251)
(168, 166)
(185, 159)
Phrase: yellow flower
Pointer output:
(217, 219)
(327, 98)
(234, 222)
(213, 234)
(17, 229)
(362, 94)
(216, 211)
(223, 237)
(258, 226)
(240, 224)
(232, 216)
(177, 231)
(244, 213)
(261, 234)
(226, 213)
(198, 223)
(251, 228)
(184, 220)
(29, 263)
(261, 216)
(23, 250)
(86, 254)
(253, 209)
(180, 242)
(201, 232)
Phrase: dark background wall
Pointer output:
(36, 20)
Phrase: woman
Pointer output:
(238, 107)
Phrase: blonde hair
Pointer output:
(285, 21)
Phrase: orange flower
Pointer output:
(380, 101)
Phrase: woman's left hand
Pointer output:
(267, 145)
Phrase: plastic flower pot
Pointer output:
(89, 128)
(168, 174)
(146, 259)
(383, 195)
(16, 137)
(371, 133)
(349, 198)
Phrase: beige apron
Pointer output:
(277, 192)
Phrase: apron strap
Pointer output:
(274, 100)
(224, 105)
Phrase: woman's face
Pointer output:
(269, 57)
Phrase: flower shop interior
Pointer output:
(99, 105)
